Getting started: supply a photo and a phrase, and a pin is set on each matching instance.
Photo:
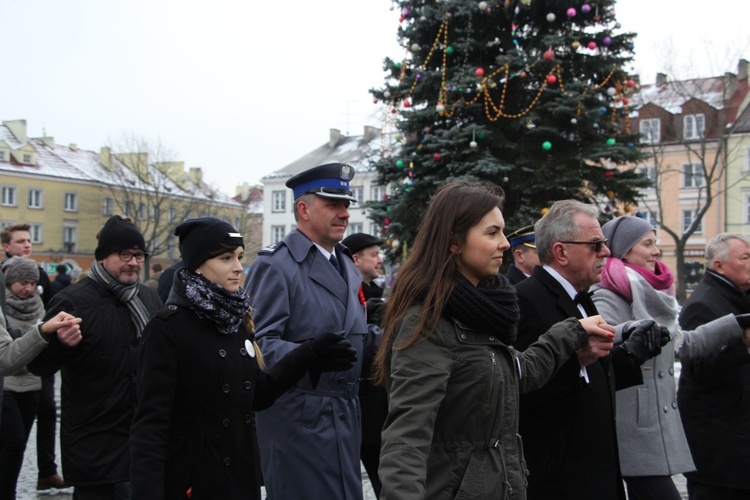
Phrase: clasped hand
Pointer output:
(600, 341)
(66, 326)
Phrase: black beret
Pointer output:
(204, 236)
(118, 235)
(524, 236)
(359, 241)
(327, 181)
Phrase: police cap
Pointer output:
(524, 236)
(327, 181)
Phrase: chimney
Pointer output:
(105, 158)
(661, 79)
(195, 174)
(73, 147)
(48, 141)
(18, 129)
(730, 85)
(371, 133)
(334, 137)
(742, 69)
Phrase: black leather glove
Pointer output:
(333, 352)
(743, 320)
(375, 307)
(642, 339)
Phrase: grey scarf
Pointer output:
(127, 294)
(27, 309)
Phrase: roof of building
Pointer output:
(673, 95)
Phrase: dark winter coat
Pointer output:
(515, 275)
(98, 382)
(569, 425)
(714, 391)
(452, 427)
(197, 391)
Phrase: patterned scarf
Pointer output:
(491, 306)
(27, 309)
(213, 302)
(127, 294)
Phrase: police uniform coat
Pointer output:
(98, 381)
(194, 427)
(568, 425)
(310, 439)
(714, 391)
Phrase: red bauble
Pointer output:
(609, 173)
(631, 83)
(548, 55)
(479, 72)
(436, 157)
(407, 104)
(551, 79)
(386, 222)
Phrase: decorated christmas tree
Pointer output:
(530, 95)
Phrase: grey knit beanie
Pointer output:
(18, 268)
(623, 233)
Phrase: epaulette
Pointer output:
(270, 249)
(166, 312)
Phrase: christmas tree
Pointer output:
(526, 94)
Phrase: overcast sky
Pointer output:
(241, 88)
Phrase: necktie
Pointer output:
(336, 265)
(584, 298)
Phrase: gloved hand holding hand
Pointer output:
(375, 308)
(643, 339)
(332, 352)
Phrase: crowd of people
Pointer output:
(555, 382)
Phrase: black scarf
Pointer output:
(213, 302)
(491, 306)
(127, 294)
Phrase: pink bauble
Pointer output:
(571, 12)
(592, 45)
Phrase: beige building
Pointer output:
(66, 194)
(695, 167)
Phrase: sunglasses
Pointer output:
(598, 244)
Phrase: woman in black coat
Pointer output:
(201, 377)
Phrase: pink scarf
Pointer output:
(615, 278)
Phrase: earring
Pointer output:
(197, 272)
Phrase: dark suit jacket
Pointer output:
(568, 426)
(514, 275)
(713, 395)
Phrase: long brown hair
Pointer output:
(428, 275)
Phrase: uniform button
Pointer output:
(243, 351)
(248, 419)
(171, 308)
(225, 422)
(225, 388)
(674, 404)
(492, 339)
(248, 385)
(463, 336)
(661, 373)
(671, 371)
(222, 353)
(723, 348)
(665, 409)
(227, 461)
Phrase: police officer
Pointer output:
(302, 287)
(523, 248)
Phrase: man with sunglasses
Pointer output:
(98, 374)
(568, 426)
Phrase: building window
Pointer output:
(374, 229)
(694, 126)
(71, 202)
(277, 233)
(687, 219)
(238, 223)
(651, 216)
(27, 159)
(650, 130)
(357, 192)
(2, 155)
(36, 234)
(171, 245)
(9, 196)
(692, 176)
(155, 212)
(171, 215)
(747, 209)
(747, 160)
(355, 227)
(141, 211)
(70, 237)
(278, 199)
(35, 198)
(108, 206)
(377, 192)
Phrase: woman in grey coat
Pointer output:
(453, 378)
(635, 285)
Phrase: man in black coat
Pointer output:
(568, 426)
(525, 256)
(98, 374)
(713, 391)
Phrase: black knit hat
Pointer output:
(202, 237)
(118, 235)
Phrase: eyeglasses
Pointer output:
(126, 256)
(598, 244)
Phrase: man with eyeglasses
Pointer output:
(568, 426)
(98, 375)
